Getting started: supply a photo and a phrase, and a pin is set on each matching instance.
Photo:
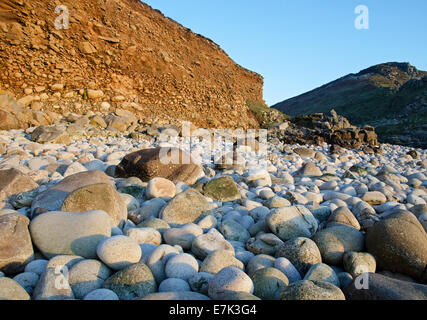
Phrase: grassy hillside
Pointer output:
(377, 96)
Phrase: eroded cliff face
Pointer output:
(120, 54)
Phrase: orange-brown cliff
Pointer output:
(124, 53)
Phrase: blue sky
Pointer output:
(299, 45)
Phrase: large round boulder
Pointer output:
(70, 233)
(169, 163)
(399, 244)
(99, 196)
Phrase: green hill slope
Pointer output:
(391, 96)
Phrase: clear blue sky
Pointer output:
(299, 45)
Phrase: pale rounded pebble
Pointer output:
(208, 222)
(86, 276)
(183, 236)
(229, 279)
(174, 285)
(144, 235)
(182, 266)
(119, 252)
(101, 294)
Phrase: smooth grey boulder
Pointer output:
(53, 198)
(379, 287)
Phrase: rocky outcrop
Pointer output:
(319, 128)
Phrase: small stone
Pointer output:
(11, 290)
(74, 168)
(234, 231)
(264, 243)
(37, 266)
(200, 282)
(374, 198)
(304, 152)
(288, 269)
(94, 94)
(258, 262)
(303, 253)
(310, 170)
(144, 235)
(183, 236)
(186, 207)
(182, 266)
(149, 209)
(154, 223)
(119, 252)
(27, 280)
(101, 294)
(47, 287)
(159, 188)
(157, 260)
(169, 163)
(269, 283)
(207, 243)
(343, 216)
(133, 282)
(277, 202)
(179, 296)
(174, 285)
(334, 241)
(322, 272)
(312, 290)
(357, 263)
(53, 198)
(292, 222)
(218, 260)
(345, 279)
(229, 279)
(87, 276)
